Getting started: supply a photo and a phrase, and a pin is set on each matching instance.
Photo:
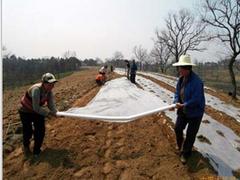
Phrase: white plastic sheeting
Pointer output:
(119, 101)
(120, 98)
(212, 101)
(223, 151)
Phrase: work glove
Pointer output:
(51, 114)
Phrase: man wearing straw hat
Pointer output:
(190, 104)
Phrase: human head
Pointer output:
(48, 81)
(184, 65)
(106, 66)
(184, 70)
(48, 78)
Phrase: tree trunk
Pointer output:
(176, 60)
(232, 75)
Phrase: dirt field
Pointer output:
(84, 149)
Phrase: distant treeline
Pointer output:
(18, 71)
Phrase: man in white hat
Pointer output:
(190, 104)
(33, 113)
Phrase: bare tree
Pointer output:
(140, 54)
(238, 65)
(161, 54)
(183, 33)
(99, 60)
(68, 54)
(5, 52)
(224, 15)
(118, 55)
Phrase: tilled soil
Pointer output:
(84, 149)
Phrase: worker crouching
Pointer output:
(101, 78)
(33, 114)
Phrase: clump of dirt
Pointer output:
(206, 121)
(220, 133)
(236, 173)
(203, 139)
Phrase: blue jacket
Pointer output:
(133, 68)
(194, 100)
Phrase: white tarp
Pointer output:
(122, 98)
(223, 152)
(119, 101)
(212, 101)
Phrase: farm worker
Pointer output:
(133, 71)
(190, 104)
(103, 71)
(111, 68)
(100, 79)
(33, 112)
(128, 68)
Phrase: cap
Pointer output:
(48, 78)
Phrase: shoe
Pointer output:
(26, 152)
(183, 159)
(36, 154)
(178, 151)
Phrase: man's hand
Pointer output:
(179, 105)
(51, 114)
(172, 109)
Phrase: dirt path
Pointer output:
(84, 149)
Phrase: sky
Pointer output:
(91, 28)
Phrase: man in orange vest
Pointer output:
(102, 77)
(33, 113)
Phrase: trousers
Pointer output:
(33, 125)
(132, 78)
(192, 130)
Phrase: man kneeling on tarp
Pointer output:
(101, 77)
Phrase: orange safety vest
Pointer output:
(99, 77)
(26, 100)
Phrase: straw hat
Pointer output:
(184, 60)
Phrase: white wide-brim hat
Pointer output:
(184, 60)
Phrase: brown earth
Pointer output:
(83, 149)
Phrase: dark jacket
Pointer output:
(194, 100)
(133, 68)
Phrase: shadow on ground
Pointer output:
(55, 157)
(197, 163)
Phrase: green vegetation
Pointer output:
(18, 72)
